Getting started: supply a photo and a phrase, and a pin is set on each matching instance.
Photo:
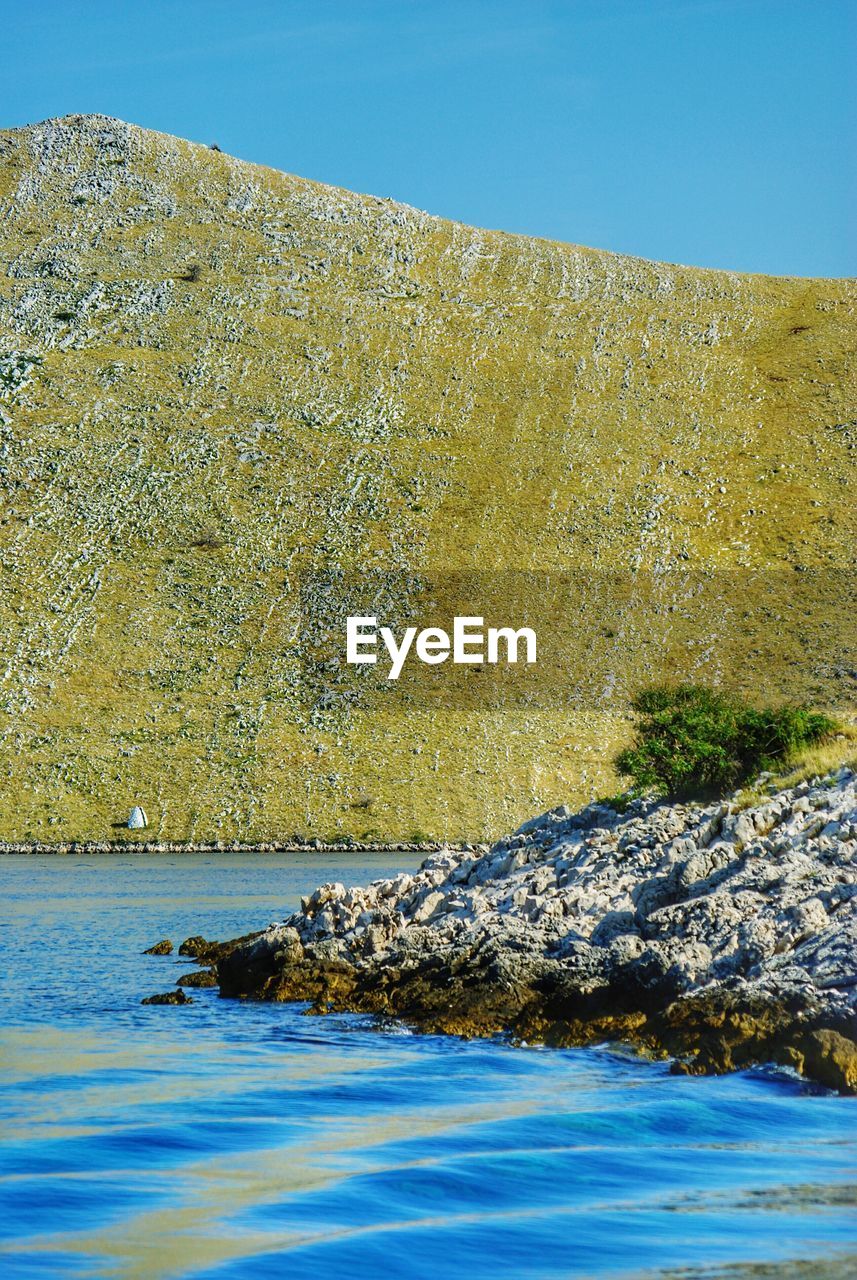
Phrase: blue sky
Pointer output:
(713, 132)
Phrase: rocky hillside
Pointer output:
(236, 405)
(725, 937)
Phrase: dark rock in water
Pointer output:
(168, 997)
(196, 946)
(200, 948)
(199, 978)
(162, 948)
(718, 936)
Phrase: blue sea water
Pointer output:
(236, 1140)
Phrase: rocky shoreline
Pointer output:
(227, 846)
(720, 937)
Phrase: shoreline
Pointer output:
(64, 848)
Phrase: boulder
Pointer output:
(162, 948)
(168, 997)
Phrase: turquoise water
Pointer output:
(230, 1140)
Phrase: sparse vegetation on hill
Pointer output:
(232, 400)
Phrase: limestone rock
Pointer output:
(720, 935)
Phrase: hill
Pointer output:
(236, 405)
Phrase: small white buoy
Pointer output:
(137, 818)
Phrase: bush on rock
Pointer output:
(693, 741)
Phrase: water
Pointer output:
(230, 1140)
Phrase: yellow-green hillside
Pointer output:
(232, 401)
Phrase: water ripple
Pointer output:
(228, 1140)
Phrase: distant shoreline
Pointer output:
(72, 847)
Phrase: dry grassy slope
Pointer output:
(217, 381)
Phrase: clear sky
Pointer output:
(712, 132)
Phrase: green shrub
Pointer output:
(694, 741)
(618, 802)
